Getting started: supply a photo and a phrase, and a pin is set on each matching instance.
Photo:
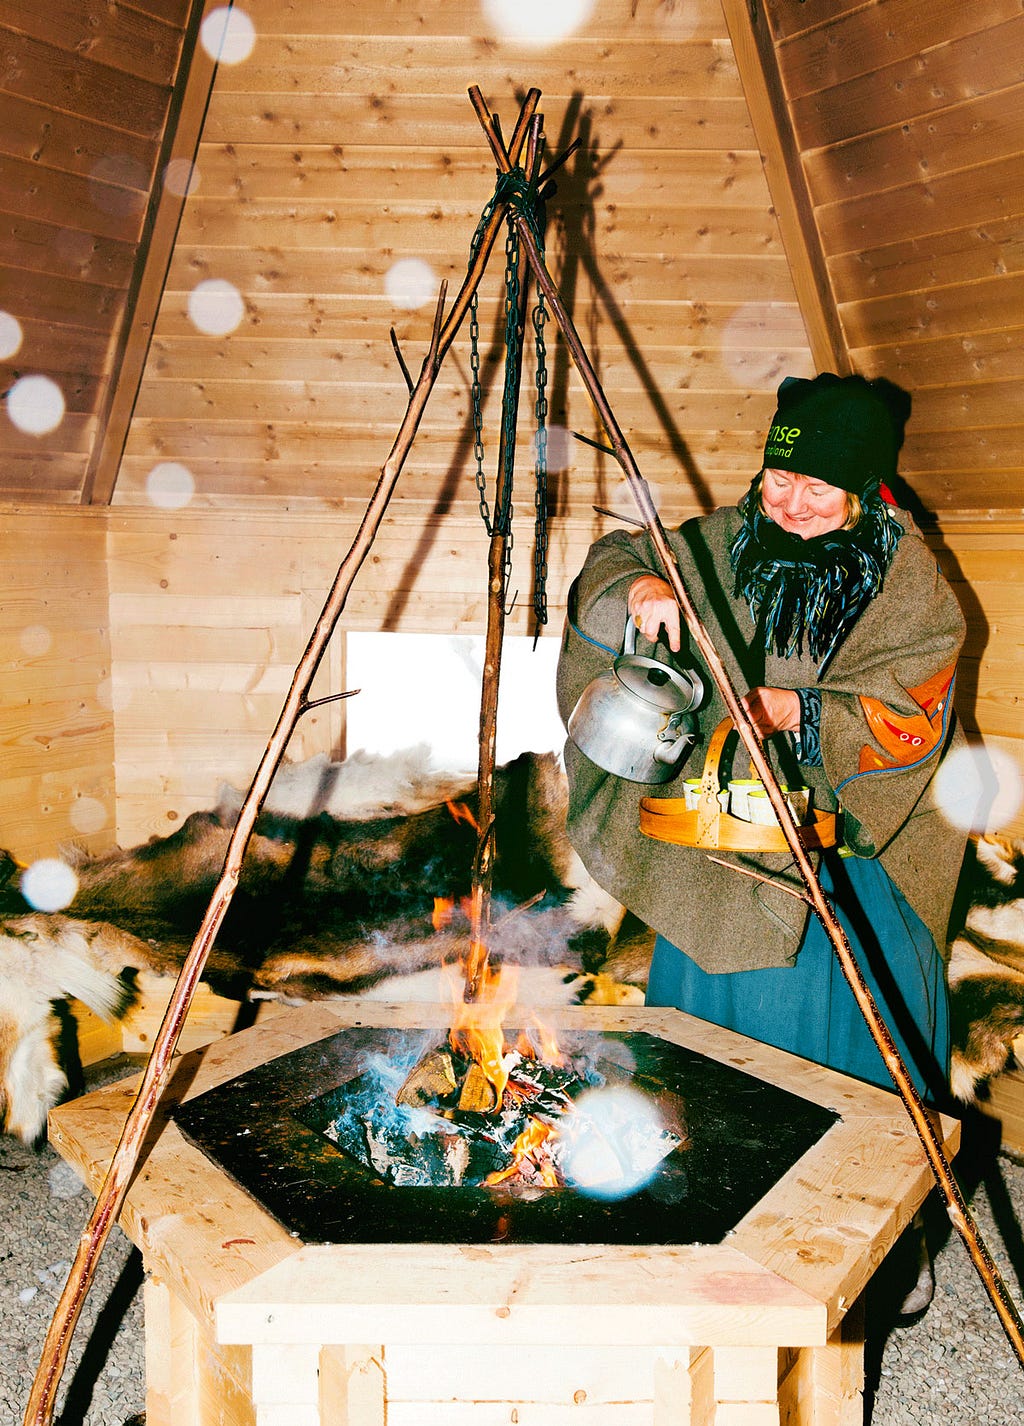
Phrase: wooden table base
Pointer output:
(247, 1326)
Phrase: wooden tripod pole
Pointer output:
(39, 1411)
(956, 1206)
(483, 865)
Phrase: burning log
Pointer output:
(478, 1094)
(565, 1121)
(431, 1079)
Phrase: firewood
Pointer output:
(430, 1079)
(477, 1094)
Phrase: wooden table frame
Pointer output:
(246, 1326)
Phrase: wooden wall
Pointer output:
(85, 90)
(345, 143)
(57, 731)
(909, 119)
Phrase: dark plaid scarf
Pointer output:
(816, 589)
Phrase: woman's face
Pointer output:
(801, 505)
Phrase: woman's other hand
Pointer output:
(773, 710)
(652, 604)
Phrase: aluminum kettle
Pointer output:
(635, 718)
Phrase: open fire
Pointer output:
(479, 1111)
(475, 1124)
(483, 1111)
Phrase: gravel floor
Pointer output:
(950, 1367)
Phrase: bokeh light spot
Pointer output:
(170, 485)
(10, 335)
(537, 22)
(35, 640)
(559, 447)
(411, 283)
(35, 404)
(49, 884)
(228, 35)
(615, 1148)
(181, 176)
(88, 815)
(979, 789)
(119, 184)
(215, 306)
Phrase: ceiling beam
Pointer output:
(758, 67)
(130, 346)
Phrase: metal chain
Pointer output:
(540, 499)
(521, 197)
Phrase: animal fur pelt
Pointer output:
(336, 897)
(337, 894)
(986, 966)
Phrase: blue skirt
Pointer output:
(809, 1009)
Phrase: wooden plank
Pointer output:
(623, 1413)
(49, 196)
(953, 310)
(456, 18)
(328, 64)
(695, 368)
(978, 194)
(282, 403)
(571, 1376)
(352, 1386)
(44, 74)
(180, 135)
(316, 267)
(984, 128)
(34, 247)
(652, 121)
(681, 1295)
(47, 349)
(287, 1374)
(769, 112)
(81, 306)
(421, 225)
(786, 20)
(948, 361)
(121, 38)
(867, 39)
(379, 174)
(984, 61)
(746, 1374)
(171, 1339)
(957, 256)
(366, 317)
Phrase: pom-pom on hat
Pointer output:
(844, 430)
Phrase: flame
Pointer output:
(539, 1042)
(530, 1147)
(477, 1025)
(461, 813)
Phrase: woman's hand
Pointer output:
(773, 710)
(652, 604)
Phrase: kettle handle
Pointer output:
(629, 636)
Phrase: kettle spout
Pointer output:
(672, 744)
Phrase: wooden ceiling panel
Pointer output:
(343, 145)
(85, 91)
(907, 123)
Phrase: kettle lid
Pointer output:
(656, 684)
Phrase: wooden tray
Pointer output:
(668, 819)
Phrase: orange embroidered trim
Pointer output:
(906, 740)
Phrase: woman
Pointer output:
(826, 606)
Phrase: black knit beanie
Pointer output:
(844, 430)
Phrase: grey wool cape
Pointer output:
(886, 723)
